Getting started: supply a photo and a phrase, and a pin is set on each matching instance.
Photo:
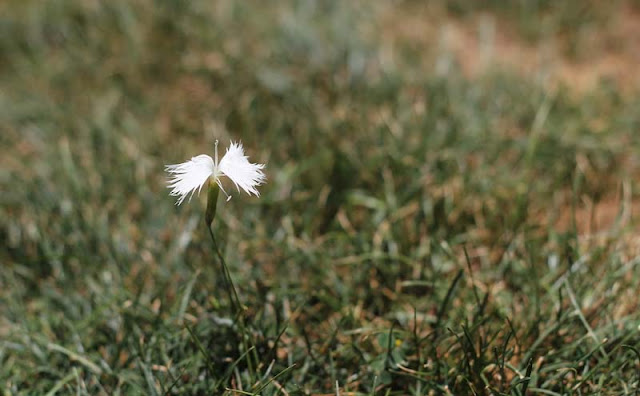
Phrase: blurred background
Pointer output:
(452, 185)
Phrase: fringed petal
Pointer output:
(189, 176)
(245, 175)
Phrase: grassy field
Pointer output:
(451, 205)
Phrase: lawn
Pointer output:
(451, 205)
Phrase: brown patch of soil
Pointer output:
(485, 41)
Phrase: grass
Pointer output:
(420, 233)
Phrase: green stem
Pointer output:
(231, 289)
(238, 308)
(233, 298)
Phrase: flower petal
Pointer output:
(245, 175)
(189, 176)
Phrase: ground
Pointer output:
(451, 204)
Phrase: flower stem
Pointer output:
(231, 289)
(235, 300)
(238, 308)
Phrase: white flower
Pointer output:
(190, 176)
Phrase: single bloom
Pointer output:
(187, 177)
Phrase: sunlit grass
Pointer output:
(421, 232)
